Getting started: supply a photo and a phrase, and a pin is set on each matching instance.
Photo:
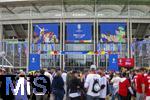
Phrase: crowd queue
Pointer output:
(92, 84)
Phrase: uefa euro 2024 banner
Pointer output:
(79, 32)
(113, 62)
(113, 32)
(46, 33)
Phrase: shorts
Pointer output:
(147, 97)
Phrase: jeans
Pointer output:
(59, 95)
(114, 93)
(114, 96)
(111, 89)
(122, 97)
(139, 96)
(88, 97)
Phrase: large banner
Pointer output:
(129, 62)
(113, 62)
(113, 32)
(34, 62)
(121, 62)
(46, 33)
(126, 62)
(79, 32)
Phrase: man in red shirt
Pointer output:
(139, 84)
(124, 85)
(147, 86)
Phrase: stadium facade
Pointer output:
(74, 33)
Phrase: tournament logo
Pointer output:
(79, 34)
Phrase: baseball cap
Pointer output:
(93, 67)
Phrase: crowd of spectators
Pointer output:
(92, 84)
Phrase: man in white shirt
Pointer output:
(89, 84)
(46, 73)
(64, 76)
(115, 80)
(103, 92)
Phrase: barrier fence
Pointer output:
(16, 52)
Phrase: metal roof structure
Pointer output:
(78, 2)
(106, 8)
(12, 10)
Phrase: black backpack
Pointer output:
(96, 86)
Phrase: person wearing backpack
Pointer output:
(92, 84)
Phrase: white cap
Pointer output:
(47, 74)
(93, 67)
(20, 70)
(2, 54)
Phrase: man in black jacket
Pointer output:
(41, 86)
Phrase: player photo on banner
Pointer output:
(46, 33)
(113, 32)
(79, 32)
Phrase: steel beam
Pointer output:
(35, 7)
(8, 9)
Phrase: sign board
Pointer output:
(79, 32)
(34, 62)
(126, 62)
(46, 33)
(121, 62)
(129, 62)
(113, 32)
(113, 62)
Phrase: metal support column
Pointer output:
(13, 54)
(30, 36)
(63, 44)
(128, 33)
(94, 35)
(20, 55)
(128, 39)
(61, 38)
(97, 42)
(1, 39)
(131, 42)
(31, 32)
(63, 35)
(28, 44)
(1, 32)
